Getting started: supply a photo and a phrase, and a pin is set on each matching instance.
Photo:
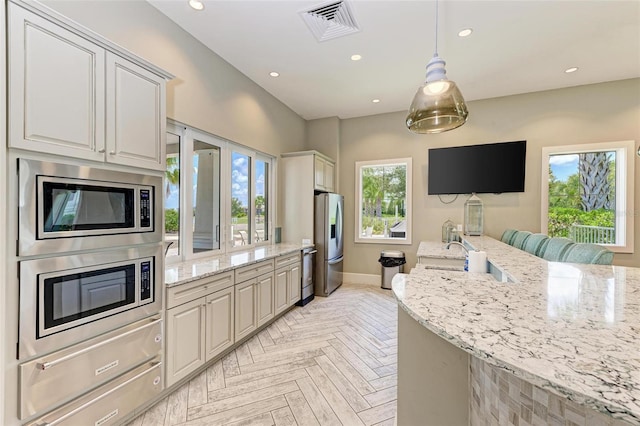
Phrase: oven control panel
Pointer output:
(145, 280)
(145, 208)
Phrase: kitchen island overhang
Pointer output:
(566, 329)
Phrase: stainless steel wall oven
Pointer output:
(68, 299)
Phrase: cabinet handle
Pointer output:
(112, 153)
(45, 365)
(101, 150)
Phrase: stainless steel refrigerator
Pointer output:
(329, 241)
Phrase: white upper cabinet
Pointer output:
(323, 171)
(56, 89)
(71, 96)
(135, 115)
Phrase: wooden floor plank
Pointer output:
(239, 413)
(340, 406)
(283, 417)
(343, 385)
(258, 384)
(319, 405)
(243, 355)
(384, 382)
(300, 408)
(382, 396)
(198, 390)
(215, 377)
(379, 413)
(219, 406)
(177, 406)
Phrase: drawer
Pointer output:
(287, 259)
(187, 292)
(252, 271)
(50, 380)
(110, 403)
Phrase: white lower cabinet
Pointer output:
(282, 290)
(219, 322)
(288, 284)
(200, 324)
(294, 284)
(245, 315)
(185, 339)
(265, 291)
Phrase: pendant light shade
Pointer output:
(438, 105)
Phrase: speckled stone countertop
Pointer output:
(436, 249)
(568, 328)
(184, 272)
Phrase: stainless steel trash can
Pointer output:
(392, 262)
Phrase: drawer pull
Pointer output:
(45, 365)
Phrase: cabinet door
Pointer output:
(319, 173)
(56, 88)
(295, 284)
(185, 343)
(328, 176)
(282, 287)
(245, 312)
(220, 319)
(135, 115)
(265, 288)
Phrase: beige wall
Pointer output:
(594, 113)
(207, 92)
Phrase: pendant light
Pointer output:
(438, 105)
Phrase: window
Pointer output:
(172, 192)
(240, 199)
(229, 198)
(587, 193)
(383, 205)
(250, 196)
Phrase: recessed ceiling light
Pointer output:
(196, 4)
(356, 57)
(274, 74)
(375, 101)
(465, 33)
(570, 70)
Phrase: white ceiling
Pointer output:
(516, 47)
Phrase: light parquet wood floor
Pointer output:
(331, 362)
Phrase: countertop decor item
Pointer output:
(473, 216)
(438, 105)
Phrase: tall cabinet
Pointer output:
(303, 173)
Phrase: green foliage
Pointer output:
(561, 219)
(171, 220)
(237, 209)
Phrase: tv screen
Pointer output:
(488, 168)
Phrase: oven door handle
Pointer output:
(45, 365)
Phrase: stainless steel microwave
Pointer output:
(69, 299)
(64, 208)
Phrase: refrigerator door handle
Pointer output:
(339, 224)
(335, 261)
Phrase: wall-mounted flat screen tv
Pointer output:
(487, 168)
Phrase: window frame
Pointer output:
(625, 177)
(359, 165)
(187, 136)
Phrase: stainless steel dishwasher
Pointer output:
(308, 262)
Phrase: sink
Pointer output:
(449, 264)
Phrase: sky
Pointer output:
(563, 166)
(239, 181)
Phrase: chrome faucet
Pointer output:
(457, 243)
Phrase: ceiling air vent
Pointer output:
(330, 20)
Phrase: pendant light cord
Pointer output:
(436, 53)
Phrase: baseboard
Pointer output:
(369, 279)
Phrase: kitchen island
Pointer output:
(559, 345)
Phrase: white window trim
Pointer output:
(625, 177)
(358, 238)
(188, 134)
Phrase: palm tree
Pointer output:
(595, 187)
(172, 174)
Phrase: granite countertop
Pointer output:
(436, 249)
(184, 272)
(568, 328)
